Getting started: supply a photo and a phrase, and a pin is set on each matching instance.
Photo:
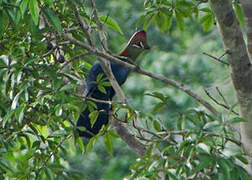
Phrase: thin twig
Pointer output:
(215, 58)
(49, 52)
(117, 119)
(145, 130)
(106, 19)
(99, 100)
(182, 132)
(74, 58)
(223, 105)
(221, 95)
(100, 27)
(83, 25)
(47, 159)
(226, 52)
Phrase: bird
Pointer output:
(135, 46)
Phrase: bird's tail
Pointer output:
(102, 119)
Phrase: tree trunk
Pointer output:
(241, 69)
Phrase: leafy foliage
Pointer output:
(162, 13)
(40, 100)
(198, 147)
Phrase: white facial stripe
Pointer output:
(134, 45)
(141, 44)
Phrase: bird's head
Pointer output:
(136, 45)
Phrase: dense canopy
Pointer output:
(176, 116)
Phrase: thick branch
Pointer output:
(121, 130)
(129, 138)
(144, 72)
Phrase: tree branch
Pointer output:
(215, 58)
(121, 130)
(144, 72)
(223, 105)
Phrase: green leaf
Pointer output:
(49, 174)
(36, 144)
(242, 159)
(111, 23)
(106, 83)
(149, 151)
(224, 167)
(160, 19)
(243, 174)
(147, 22)
(93, 117)
(91, 105)
(156, 125)
(212, 125)
(236, 120)
(8, 116)
(180, 123)
(112, 133)
(108, 143)
(207, 21)
(102, 89)
(99, 77)
(11, 14)
(28, 141)
(59, 133)
(71, 107)
(91, 143)
(5, 165)
(23, 7)
(179, 19)
(157, 95)
(20, 113)
(53, 19)
(81, 128)
(3, 21)
(49, 2)
(168, 21)
(206, 9)
(67, 87)
(158, 107)
(34, 10)
(141, 19)
(15, 100)
(239, 13)
(205, 161)
(58, 110)
(81, 145)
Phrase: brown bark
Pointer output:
(241, 69)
